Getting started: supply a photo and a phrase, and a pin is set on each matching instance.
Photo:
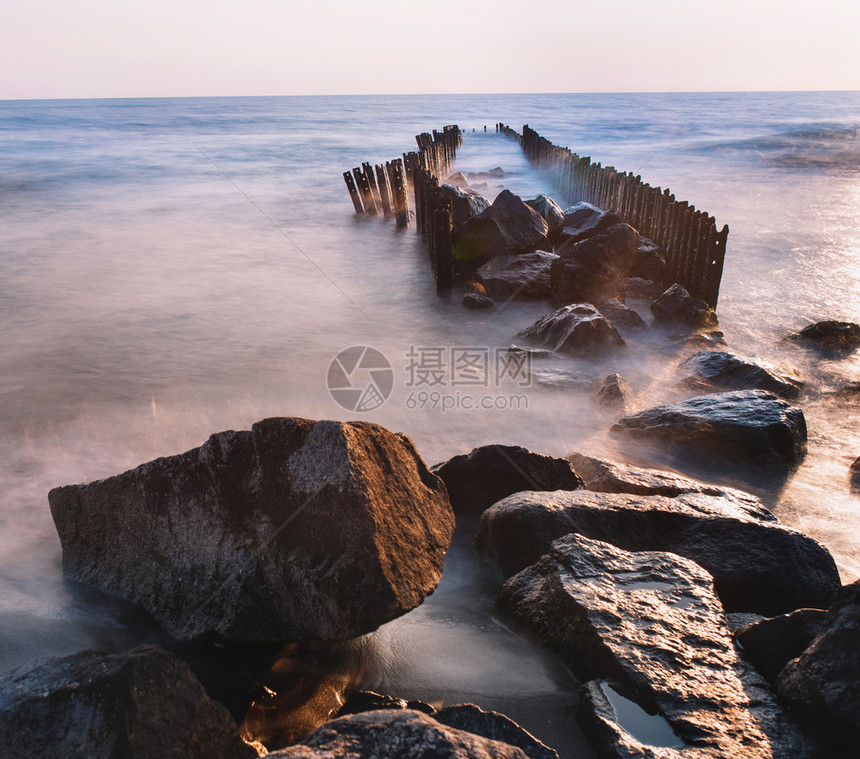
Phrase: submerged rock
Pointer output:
(295, 530)
(758, 566)
(838, 337)
(749, 427)
(650, 622)
(478, 479)
(576, 329)
(676, 308)
(724, 370)
(476, 301)
(584, 220)
(771, 643)
(144, 704)
(823, 683)
(614, 394)
(396, 733)
(520, 276)
(596, 269)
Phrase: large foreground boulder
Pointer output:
(677, 309)
(650, 623)
(144, 704)
(396, 733)
(576, 329)
(823, 683)
(519, 276)
(758, 566)
(595, 269)
(723, 370)
(295, 530)
(753, 428)
(476, 480)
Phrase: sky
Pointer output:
(162, 48)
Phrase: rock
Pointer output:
(753, 428)
(642, 288)
(620, 315)
(835, 336)
(395, 733)
(771, 643)
(823, 683)
(724, 370)
(135, 705)
(576, 329)
(854, 470)
(518, 276)
(496, 173)
(650, 622)
(465, 204)
(551, 213)
(508, 226)
(532, 353)
(614, 394)
(564, 379)
(607, 477)
(473, 286)
(368, 701)
(758, 566)
(457, 179)
(596, 269)
(676, 308)
(295, 530)
(476, 301)
(699, 341)
(650, 263)
(478, 479)
(584, 220)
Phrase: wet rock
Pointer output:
(608, 477)
(642, 288)
(457, 179)
(473, 286)
(465, 203)
(699, 341)
(496, 173)
(823, 683)
(576, 329)
(676, 308)
(551, 213)
(368, 701)
(532, 353)
(771, 643)
(476, 301)
(395, 733)
(478, 240)
(724, 370)
(564, 379)
(758, 566)
(650, 262)
(753, 428)
(596, 269)
(519, 276)
(137, 705)
(584, 220)
(651, 623)
(620, 315)
(854, 471)
(295, 530)
(835, 336)
(614, 394)
(478, 479)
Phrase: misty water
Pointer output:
(173, 268)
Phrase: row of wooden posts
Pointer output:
(694, 249)
(385, 189)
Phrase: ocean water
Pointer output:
(172, 268)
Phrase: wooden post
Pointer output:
(442, 264)
(366, 194)
(382, 184)
(371, 180)
(353, 193)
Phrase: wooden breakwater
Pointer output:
(384, 189)
(694, 249)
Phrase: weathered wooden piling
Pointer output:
(364, 189)
(353, 192)
(384, 195)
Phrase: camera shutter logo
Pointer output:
(360, 378)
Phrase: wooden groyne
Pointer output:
(695, 250)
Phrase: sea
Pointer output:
(171, 268)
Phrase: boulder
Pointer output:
(518, 276)
(476, 480)
(675, 308)
(697, 342)
(620, 315)
(752, 428)
(771, 643)
(551, 213)
(584, 220)
(496, 173)
(295, 530)
(650, 262)
(368, 701)
(719, 369)
(476, 301)
(576, 329)
(395, 733)
(834, 336)
(642, 288)
(531, 353)
(143, 704)
(457, 179)
(854, 471)
(608, 477)
(650, 622)
(758, 566)
(823, 683)
(595, 269)
(465, 204)
(614, 394)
